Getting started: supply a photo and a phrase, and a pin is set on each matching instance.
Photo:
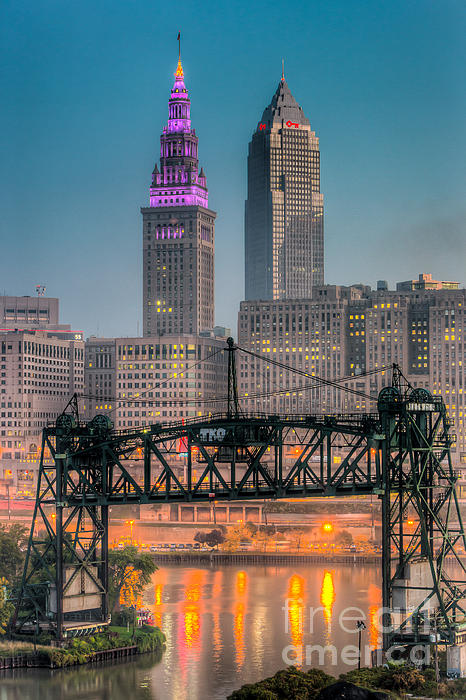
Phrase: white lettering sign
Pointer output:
(212, 434)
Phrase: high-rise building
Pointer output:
(284, 226)
(42, 366)
(346, 334)
(138, 381)
(178, 230)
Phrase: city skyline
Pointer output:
(88, 149)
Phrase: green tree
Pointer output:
(122, 563)
(12, 546)
(6, 609)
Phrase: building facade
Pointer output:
(28, 312)
(425, 281)
(178, 231)
(40, 371)
(343, 333)
(284, 221)
(138, 381)
(41, 367)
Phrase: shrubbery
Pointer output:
(80, 650)
(397, 680)
(290, 683)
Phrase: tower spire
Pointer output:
(179, 68)
(283, 69)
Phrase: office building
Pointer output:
(284, 225)
(425, 281)
(340, 334)
(138, 381)
(178, 231)
(41, 368)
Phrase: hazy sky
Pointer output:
(84, 89)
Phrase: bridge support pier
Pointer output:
(456, 661)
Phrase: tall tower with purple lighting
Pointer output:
(178, 230)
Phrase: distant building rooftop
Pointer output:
(425, 281)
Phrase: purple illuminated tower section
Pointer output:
(178, 230)
(178, 177)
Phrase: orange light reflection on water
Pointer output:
(374, 595)
(216, 596)
(191, 608)
(158, 609)
(239, 611)
(295, 609)
(327, 598)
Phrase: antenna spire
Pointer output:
(283, 69)
(179, 69)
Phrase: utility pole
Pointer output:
(437, 673)
(360, 627)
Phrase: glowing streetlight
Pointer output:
(130, 523)
(327, 527)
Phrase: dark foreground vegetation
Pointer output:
(365, 684)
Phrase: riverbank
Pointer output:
(115, 643)
(264, 558)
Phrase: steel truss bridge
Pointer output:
(401, 454)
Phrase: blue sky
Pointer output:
(84, 89)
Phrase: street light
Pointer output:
(130, 523)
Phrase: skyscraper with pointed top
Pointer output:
(284, 227)
(178, 230)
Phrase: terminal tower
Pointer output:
(178, 230)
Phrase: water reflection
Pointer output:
(225, 626)
(374, 596)
(327, 599)
(192, 608)
(239, 611)
(295, 609)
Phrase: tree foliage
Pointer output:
(6, 609)
(289, 683)
(211, 539)
(12, 546)
(122, 564)
(344, 537)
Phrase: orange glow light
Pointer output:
(327, 527)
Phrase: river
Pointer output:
(226, 626)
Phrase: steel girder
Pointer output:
(402, 454)
(421, 521)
